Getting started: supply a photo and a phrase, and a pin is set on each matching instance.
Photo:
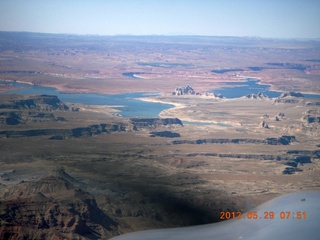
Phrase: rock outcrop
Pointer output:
(22, 117)
(307, 153)
(259, 95)
(167, 134)
(53, 207)
(214, 95)
(59, 134)
(289, 97)
(291, 94)
(283, 140)
(291, 170)
(263, 124)
(96, 129)
(311, 119)
(187, 90)
(10, 118)
(30, 108)
(36, 102)
(240, 155)
(154, 122)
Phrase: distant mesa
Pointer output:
(30, 108)
(295, 66)
(96, 129)
(139, 123)
(283, 140)
(259, 95)
(311, 119)
(164, 64)
(291, 94)
(256, 68)
(291, 170)
(291, 164)
(35, 102)
(303, 159)
(289, 97)
(167, 134)
(221, 71)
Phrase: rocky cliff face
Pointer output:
(96, 129)
(22, 117)
(59, 134)
(167, 134)
(36, 102)
(30, 108)
(284, 140)
(53, 208)
(291, 94)
(259, 95)
(154, 122)
(289, 97)
(187, 90)
(10, 118)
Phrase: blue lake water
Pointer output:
(250, 86)
(130, 107)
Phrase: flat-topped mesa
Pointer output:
(154, 122)
(187, 90)
(283, 140)
(259, 95)
(37, 102)
(60, 134)
(289, 97)
(291, 94)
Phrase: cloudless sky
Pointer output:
(260, 18)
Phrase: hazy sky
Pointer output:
(261, 18)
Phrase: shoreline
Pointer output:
(63, 89)
(176, 105)
(185, 118)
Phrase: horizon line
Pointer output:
(163, 35)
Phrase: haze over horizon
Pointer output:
(267, 19)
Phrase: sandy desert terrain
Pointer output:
(69, 170)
